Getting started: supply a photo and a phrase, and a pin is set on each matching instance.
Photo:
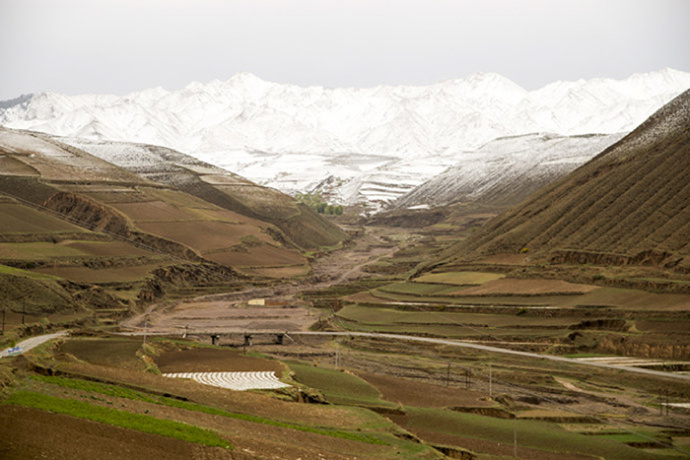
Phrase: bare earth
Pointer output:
(232, 313)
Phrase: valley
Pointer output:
(352, 394)
(197, 314)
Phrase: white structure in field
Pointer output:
(238, 381)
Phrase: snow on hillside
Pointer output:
(360, 145)
(507, 170)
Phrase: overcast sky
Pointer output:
(120, 46)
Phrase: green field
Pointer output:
(106, 352)
(533, 434)
(459, 278)
(417, 289)
(338, 387)
(118, 418)
(5, 270)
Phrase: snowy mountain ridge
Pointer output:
(377, 143)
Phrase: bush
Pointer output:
(315, 202)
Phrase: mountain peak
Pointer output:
(292, 137)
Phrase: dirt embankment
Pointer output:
(184, 275)
(409, 219)
(623, 346)
(97, 217)
(89, 213)
(644, 258)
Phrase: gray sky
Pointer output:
(120, 46)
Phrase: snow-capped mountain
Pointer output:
(507, 170)
(361, 145)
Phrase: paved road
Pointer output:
(476, 346)
(33, 342)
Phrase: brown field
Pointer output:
(264, 256)
(152, 211)
(225, 215)
(69, 249)
(38, 251)
(458, 278)
(111, 195)
(281, 272)
(223, 316)
(514, 286)
(15, 167)
(17, 218)
(411, 393)
(106, 352)
(487, 447)
(213, 360)
(107, 249)
(65, 438)
(100, 275)
(204, 235)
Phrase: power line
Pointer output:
(559, 404)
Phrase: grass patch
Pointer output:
(17, 218)
(459, 278)
(126, 393)
(106, 352)
(585, 355)
(38, 250)
(338, 387)
(535, 434)
(97, 387)
(416, 289)
(118, 418)
(5, 270)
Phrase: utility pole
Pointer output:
(145, 327)
(667, 401)
(337, 351)
(490, 382)
(448, 376)
(515, 433)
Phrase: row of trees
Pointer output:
(314, 201)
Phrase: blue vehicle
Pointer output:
(14, 351)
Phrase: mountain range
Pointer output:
(357, 146)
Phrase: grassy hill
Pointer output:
(628, 205)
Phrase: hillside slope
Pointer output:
(506, 171)
(75, 218)
(300, 225)
(630, 204)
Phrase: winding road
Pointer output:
(28, 344)
(476, 346)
